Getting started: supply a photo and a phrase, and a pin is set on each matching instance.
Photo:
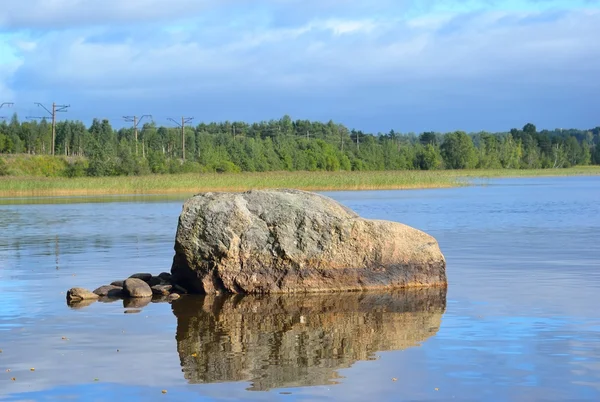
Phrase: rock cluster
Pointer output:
(291, 241)
(136, 291)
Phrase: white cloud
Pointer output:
(385, 58)
(34, 14)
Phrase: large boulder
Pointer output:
(273, 241)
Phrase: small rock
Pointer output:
(143, 276)
(118, 283)
(133, 311)
(179, 289)
(78, 294)
(155, 280)
(135, 287)
(32, 369)
(161, 289)
(109, 291)
(165, 276)
(164, 391)
(173, 296)
(137, 302)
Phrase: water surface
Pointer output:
(519, 321)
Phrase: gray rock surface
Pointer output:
(134, 287)
(274, 241)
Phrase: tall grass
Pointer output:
(193, 183)
(11, 186)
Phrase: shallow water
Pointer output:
(520, 320)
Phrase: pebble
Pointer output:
(164, 391)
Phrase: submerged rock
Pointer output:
(79, 294)
(273, 241)
(134, 287)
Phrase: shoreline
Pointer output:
(14, 187)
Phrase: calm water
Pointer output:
(520, 320)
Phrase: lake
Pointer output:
(520, 319)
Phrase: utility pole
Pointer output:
(7, 104)
(135, 122)
(184, 120)
(55, 109)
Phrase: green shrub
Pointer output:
(77, 168)
(226, 167)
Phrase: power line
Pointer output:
(135, 122)
(184, 120)
(55, 109)
(7, 104)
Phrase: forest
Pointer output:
(278, 145)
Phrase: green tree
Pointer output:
(428, 157)
(458, 151)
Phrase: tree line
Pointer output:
(285, 144)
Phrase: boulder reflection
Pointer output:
(298, 340)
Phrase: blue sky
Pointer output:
(373, 65)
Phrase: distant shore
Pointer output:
(11, 186)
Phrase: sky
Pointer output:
(373, 65)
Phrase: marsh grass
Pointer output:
(11, 186)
